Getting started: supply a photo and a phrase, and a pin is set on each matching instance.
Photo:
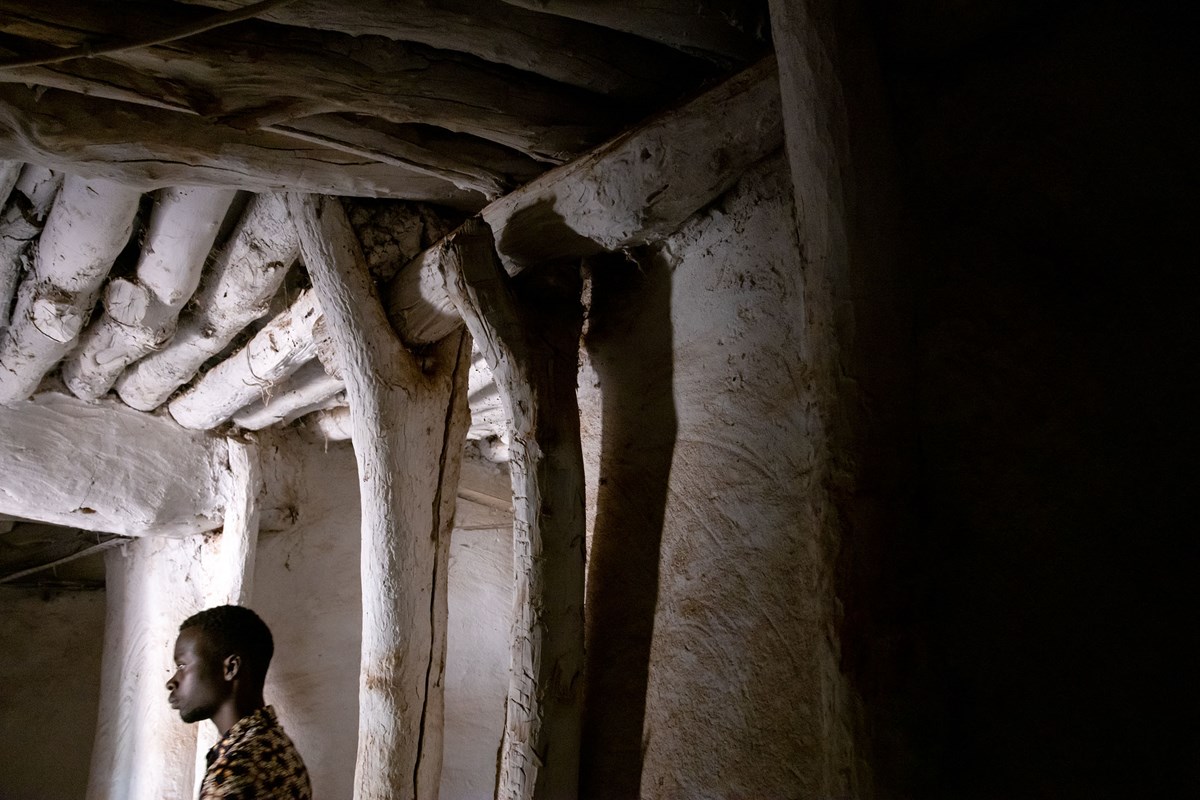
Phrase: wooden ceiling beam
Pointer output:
(141, 314)
(150, 148)
(277, 351)
(20, 224)
(255, 75)
(609, 62)
(730, 30)
(86, 230)
(635, 189)
(309, 388)
(101, 466)
(236, 290)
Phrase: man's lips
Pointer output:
(173, 701)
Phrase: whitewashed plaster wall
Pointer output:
(306, 587)
(699, 417)
(50, 648)
(477, 657)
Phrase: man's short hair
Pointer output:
(235, 630)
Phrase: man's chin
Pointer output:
(192, 715)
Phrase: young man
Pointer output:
(221, 659)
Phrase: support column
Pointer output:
(409, 420)
(528, 329)
(143, 751)
(228, 559)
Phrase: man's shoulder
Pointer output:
(262, 762)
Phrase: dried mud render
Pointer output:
(743, 696)
(50, 667)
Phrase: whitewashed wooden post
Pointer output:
(228, 559)
(409, 421)
(143, 751)
(528, 330)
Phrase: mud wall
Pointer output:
(50, 648)
(712, 643)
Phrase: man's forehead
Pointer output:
(190, 640)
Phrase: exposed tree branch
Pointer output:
(529, 334)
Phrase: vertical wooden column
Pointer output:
(228, 559)
(528, 329)
(143, 751)
(409, 419)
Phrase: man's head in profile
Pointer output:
(221, 660)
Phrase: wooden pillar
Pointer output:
(528, 330)
(143, 751)
(228, 559)
(409, 422)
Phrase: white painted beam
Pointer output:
(140, 316)
(309, 388)
(104, 467)
(236, 291)
(87, 228)
(282, 346)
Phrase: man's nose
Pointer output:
(172, 683)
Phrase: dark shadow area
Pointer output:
(629, 343)
(1049, 585)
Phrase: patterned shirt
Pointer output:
(255, 761)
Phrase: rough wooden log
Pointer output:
(467, 162)
(140, 317)
(87, 228)
(283, 346)
(408, 426)
(536, 373)
(632, 190)
(607, 62)
(236, 291)
(309, 388)
(9, 172)
(92, 138)
(9, 273)
(227, 560)
(488, 416)
(641, 186)
(29, 201)
(255, 74)
(725, 29)
(104, 467)
(334, 424)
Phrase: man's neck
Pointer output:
(237, 708)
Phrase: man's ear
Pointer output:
(231, 666)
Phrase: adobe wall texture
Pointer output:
(703, 420)
(50, 648)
